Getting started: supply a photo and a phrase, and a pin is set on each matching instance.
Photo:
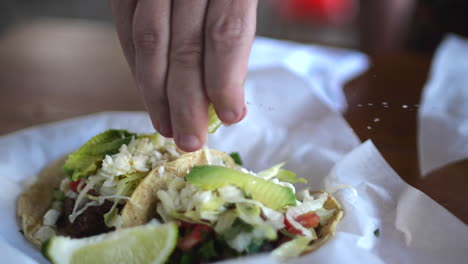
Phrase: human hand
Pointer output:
(185, 54)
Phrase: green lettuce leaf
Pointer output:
(88, 158)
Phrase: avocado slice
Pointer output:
(270, 194)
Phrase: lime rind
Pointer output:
(213, 120)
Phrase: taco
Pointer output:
(223, 210)
(86, 192)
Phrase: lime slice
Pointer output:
(213, 120)
(150, 243)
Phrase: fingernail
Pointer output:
(165, 128)
(189, 142)
(229, 117)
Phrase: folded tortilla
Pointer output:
(37, 199)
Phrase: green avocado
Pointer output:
(270, 194)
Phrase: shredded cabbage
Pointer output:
(282, 175)
(305, 231)
(81, 199)
(307, 205)
(51, 217)
(292, 248)
(225, 221)
(241, 241)
(271, 172)
(44, 233)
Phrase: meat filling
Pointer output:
(89, 223)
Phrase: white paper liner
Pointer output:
(443, 115)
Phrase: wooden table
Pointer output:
(54, 70)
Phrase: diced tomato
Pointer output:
(74, 185)
(307, 220)
(194, 237)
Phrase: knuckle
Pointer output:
(147, 40)
(226, 31)
(187, 53)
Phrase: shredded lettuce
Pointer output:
(291, 219)
(51, 217)
(225, 221)
(292, 248)
(281, 174)
(308, 204)
(237, 227)
(87, 158)
(110, 218)
(271, 172)
(241, 241)
(289, 176)
(81, 199)
(249, 213)
(324, 215)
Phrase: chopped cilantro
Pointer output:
(208, 250)
(186, 258)
(58, 195)
(236, 157)
(254, 247)
(237, 227)
(377, 232)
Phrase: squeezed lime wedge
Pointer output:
(213, 121)
(150, 243)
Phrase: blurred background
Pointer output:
(368, 25)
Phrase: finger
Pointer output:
(151, 31)
(122, 11)
(230, 30)
(187, 99)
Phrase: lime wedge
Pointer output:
(213, 120)
(150, 243)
